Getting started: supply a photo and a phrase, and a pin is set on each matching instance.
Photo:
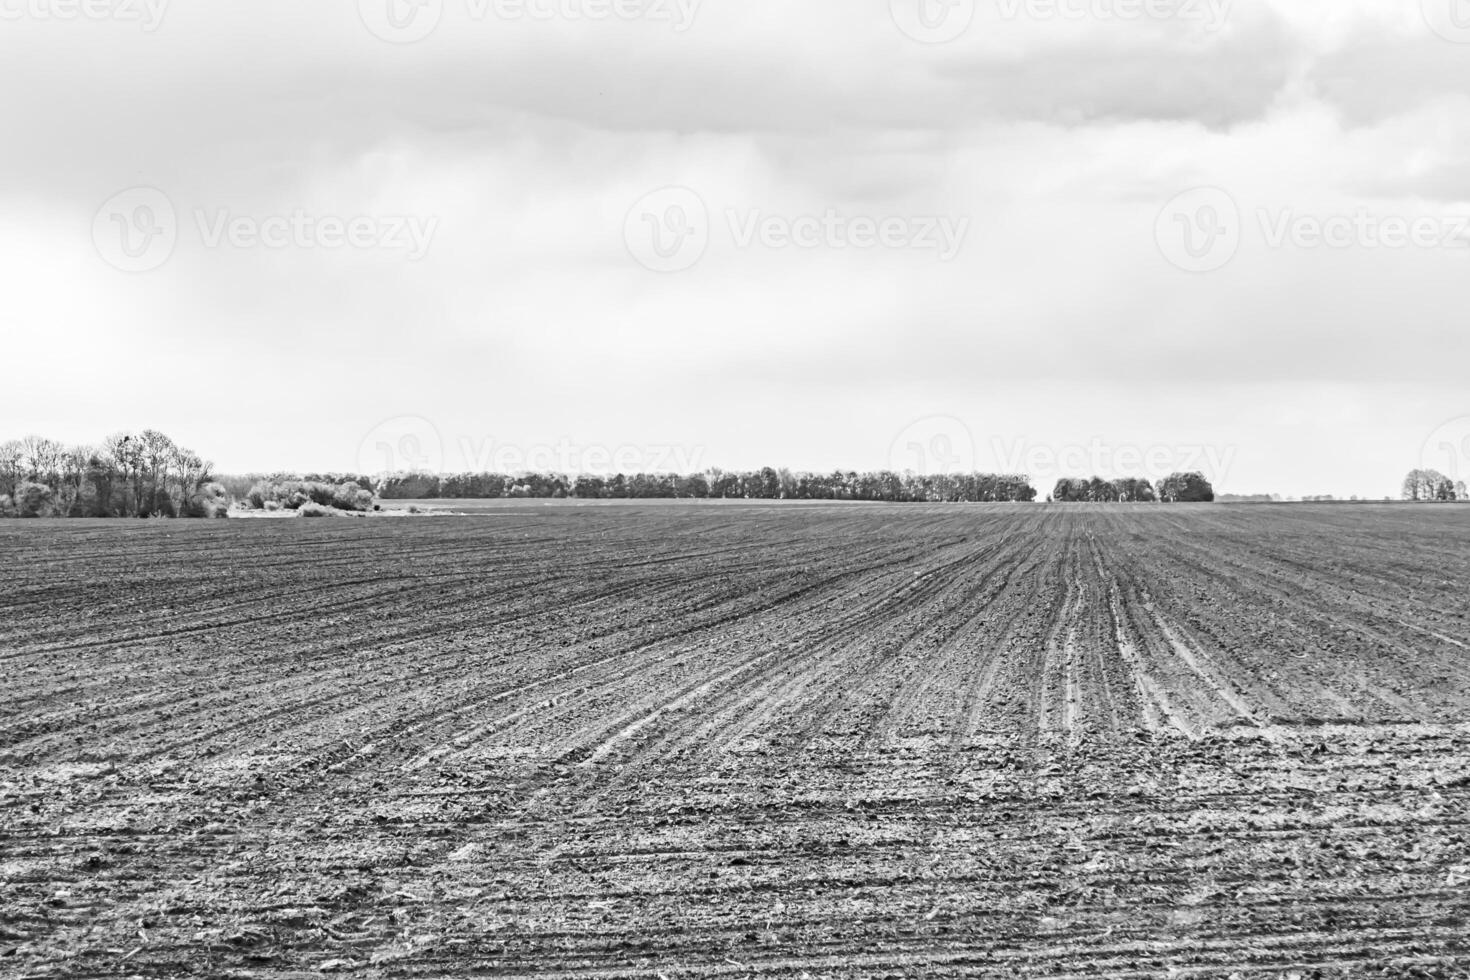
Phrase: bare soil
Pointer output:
(818, 741)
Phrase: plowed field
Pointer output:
(738, 741)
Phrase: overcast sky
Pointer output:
(811, 233)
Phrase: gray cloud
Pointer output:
(1060, 142)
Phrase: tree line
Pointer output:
(1177, 488)
(1432, 486)
(145, 474)
(767, 483)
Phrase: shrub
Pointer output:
(34, 500)
(272, 505)
(7, 506)
(350, 496)
(212, 501)
(294, 494)
(320, 510)
(238, 487)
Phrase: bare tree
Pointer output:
(10, 467)
(124, 452)
(190, 473)
(103, 473)
(157, 451)
(1427, 485)
(73, 467)
(130, 475)
(41, 459)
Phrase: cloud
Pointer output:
(1058, 139)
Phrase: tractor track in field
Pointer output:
(794, 742)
